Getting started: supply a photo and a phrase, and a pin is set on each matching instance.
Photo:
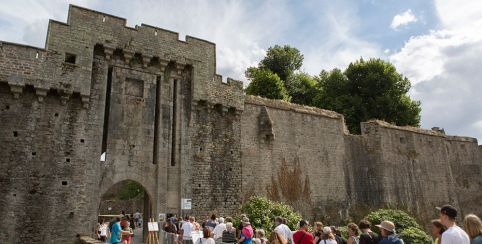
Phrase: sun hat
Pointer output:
(387, 225)
(326, 230)
(245, 221)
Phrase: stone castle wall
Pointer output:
(165, 119)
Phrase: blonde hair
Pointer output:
(277, 238)
(473, 225)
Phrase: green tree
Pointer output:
(266, 84)
(367, 90)
(301, 88)
(262, 213)
(131, 190)
(282, 60)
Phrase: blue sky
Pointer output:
(436, 44)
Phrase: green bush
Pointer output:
(262, 212)
(406, 226)
(412, 235)
(401, 219)
(343, 230)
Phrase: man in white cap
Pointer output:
(453, 234)
(387, 229)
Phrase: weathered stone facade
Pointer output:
(165, 119)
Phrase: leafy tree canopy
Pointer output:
(367, 90)
(301, 88)
(282, 60)
(265, 83)
(131, 190)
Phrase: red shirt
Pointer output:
(303, 237)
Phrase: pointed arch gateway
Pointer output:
(126, 195)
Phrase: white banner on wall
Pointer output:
(186, 203)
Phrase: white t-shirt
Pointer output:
(187, 228)
(328, 241)
(205, 241)
(285, 231)
(218, 230)
(103, 229)
(455, 235)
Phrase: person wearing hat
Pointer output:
(303, 236)
(387, 230)
(327, 237)
(453, 234)
(246, 235)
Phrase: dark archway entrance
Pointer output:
(127, 197)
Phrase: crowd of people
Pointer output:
(222, 230)
(120, 229)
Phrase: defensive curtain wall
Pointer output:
(164, 118)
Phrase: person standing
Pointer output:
(387, 230)
(437, 230)
(219, 229)
(317, 231)
(302, 236)
(137, 216)
(211, 223)
(246, 235)
(453, 234)
(353, 233)
(104, 231)
(283, 229)
(260, 236)
(170, 227)
(206, 239)
(117, 232)
(338, 237)
(187, 229)
(473, 226)
(277, 238)
(367, 235)
(229, 235)
(327, 237)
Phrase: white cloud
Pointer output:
(444, 66)
(403, 19)
(242, 30)
(332, 42)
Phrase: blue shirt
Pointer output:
(116, 233)
(476, 240)
(391, 239)
(246, 240)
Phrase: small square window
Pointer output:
(70, 58)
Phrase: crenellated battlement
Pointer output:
(372, 127)
(65, 64)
